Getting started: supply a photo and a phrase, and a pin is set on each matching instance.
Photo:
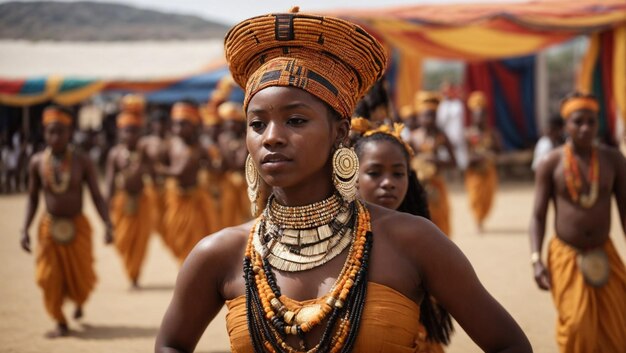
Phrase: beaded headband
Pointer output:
(54, 115)
(333, 59)
(477, 100)
(187, 112)
(395, 133)
(126, 119)
(579, 103)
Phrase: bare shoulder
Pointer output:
(612, 154)
(224, 249)
(404, 230)
(35, 160)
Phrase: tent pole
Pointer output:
(541, 92)
(26, 122)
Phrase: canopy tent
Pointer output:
(475, 33)
(491, 32)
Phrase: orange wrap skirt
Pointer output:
(64, 271)
(589, 319)
(481, 185)
(132, 230)
(186, 220)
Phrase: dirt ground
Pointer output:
(119, 320)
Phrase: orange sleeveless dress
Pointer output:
(390, 323)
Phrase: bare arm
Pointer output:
(450, 278)
(96, 196)
(544, 190)
(197, 298)
(34, 185)
(619, 189)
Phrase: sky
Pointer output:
(233, 11)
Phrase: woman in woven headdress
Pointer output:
(313, 239)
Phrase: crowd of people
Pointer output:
(305, 181)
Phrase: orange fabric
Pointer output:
(126, 119)
(159, 209)
(209, 184)
(183, 111)
(578, 103)
(132, 232)
(185, 221)
(54, 115)
(390, 323)
(589, 319)
(330, 58)
(438, 204)
(64, 271)
(235, 203)
(481, 185)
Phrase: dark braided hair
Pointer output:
(433, 316)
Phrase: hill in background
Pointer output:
(93, 21)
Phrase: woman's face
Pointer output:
(290, 135)
(427, 118)
(383, 174)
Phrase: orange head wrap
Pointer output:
(125, 119)
(395, 133)
(425, 101)
(477, 100)
(573, 104)
(231, 111)
(185, 111)
(359, 124)
(330, 58)
(56, 115)
(133, 103)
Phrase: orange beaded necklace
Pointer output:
(573, 179)
(272, 316)
(54, 168)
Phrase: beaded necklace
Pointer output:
(270, 320)
(303, 237)
(573, 179)
(54, 167)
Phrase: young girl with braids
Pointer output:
(322, 271)
(386, 179)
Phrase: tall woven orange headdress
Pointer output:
(333, 59)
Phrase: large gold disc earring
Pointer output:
(345, 172)
(253, 180)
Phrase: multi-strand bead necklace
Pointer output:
(271, 317)
(573, 179)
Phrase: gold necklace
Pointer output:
(298, 249)
(63, 167)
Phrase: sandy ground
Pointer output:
(118, 320)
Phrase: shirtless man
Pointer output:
(233, 150)
(130, 201)
(64, 261)
(427, 141)
(186, 217)
(583, 272)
